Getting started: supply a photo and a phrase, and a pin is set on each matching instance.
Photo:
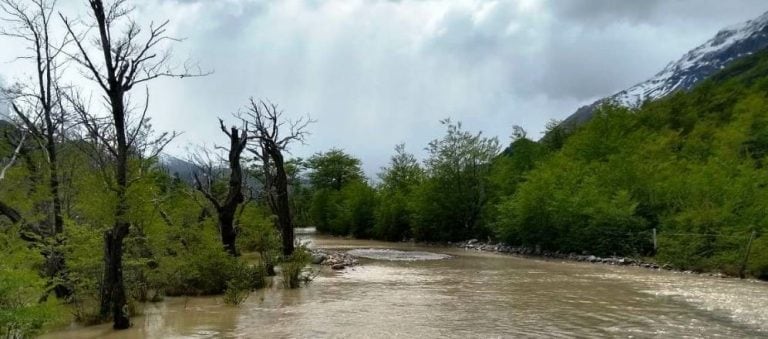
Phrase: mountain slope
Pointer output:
(699, 63)
(690, 166)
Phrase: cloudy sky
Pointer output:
(374, 73)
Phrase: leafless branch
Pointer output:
(14, 156)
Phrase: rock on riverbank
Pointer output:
(335, 259)
(474, 244)
(536, 252)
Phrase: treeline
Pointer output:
(691, 166)
(441, 200)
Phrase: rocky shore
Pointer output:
(337, 260)
(474, 244)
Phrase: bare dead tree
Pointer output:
(38, 106)
(273, 133)
(117, 62)
(226, 207)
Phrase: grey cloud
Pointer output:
(585, 49)
(375, 73)
(587, 64)
(604, 12)
(459, 33)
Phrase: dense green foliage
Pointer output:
(333, 170)
(692, 166)
(448, 204)
(21, 313)
(342, 202)
(441, 202)
(393, 219)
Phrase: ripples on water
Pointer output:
(471, 295)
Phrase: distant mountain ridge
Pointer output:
(176, 166)
(728, 45)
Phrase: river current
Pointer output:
(442, 292)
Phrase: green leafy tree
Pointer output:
(333, 169)
(398, 180)
(331, 173)
(448, 205)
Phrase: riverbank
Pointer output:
(527, 252)
(533, 253)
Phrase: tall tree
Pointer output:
(117, 62)
(450, 202)
(38, 106)
(398, 181)
(225, 208)
(267, 122)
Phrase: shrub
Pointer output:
(235, 294)
(242, 281)
(758, 260)
(292, 268)
(21, 314)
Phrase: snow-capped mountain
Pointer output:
(699, 63)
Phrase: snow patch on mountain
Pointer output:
(700, 62)
(726, 46)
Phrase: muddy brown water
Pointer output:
(470, 294)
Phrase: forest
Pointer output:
(92, 223)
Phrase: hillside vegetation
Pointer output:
(692, 166)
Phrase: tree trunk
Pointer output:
(53, 182)
(113, 288)
(113, 297)
(283, 209)
(235, 196)
(55, 261)
(10, 212)
(227, 229)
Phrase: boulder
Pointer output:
(318, 258)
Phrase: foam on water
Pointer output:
(396, 255)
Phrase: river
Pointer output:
(469, 294)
